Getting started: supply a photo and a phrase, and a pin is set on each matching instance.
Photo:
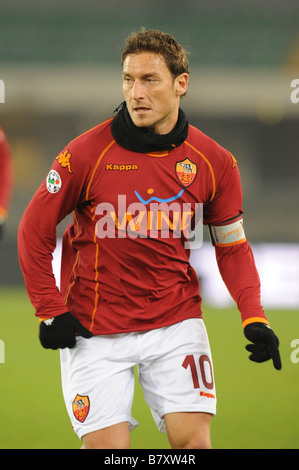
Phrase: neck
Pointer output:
(166, 125)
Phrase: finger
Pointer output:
(274, 353)
(70, 343)
(250, 348)
(81, 330)
(261, 357)
(259, 353)
(272, 344)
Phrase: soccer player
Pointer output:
(128, 294)
(6, 174)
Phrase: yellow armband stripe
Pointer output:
(253, 320)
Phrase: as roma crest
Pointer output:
(81, 407)
(186, 172)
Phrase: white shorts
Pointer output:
(174, 369)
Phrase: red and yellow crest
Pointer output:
(81, 407)
(186, 172)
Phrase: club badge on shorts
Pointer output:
(81, 407)
(186, 172)
(53, 182)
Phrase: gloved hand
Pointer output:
(61, 331)
(265, 344)
(1, 229)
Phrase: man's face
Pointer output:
(151, 93)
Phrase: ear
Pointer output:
(181, 83)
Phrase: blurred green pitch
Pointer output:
(257, 406)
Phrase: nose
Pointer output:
(138, 90)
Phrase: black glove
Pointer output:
(265, 344)
(61, 331)
(1, 229)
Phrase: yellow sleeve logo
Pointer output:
(64, 159)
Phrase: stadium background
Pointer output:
(60, 63)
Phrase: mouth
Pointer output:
(141, 109)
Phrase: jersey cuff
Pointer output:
(3, 214)
(254, 320)
(41, 318)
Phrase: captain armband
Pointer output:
(228, 235)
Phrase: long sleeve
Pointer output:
(238, 270)
(57, 196)
(233, 253)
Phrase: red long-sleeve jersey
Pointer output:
(125, 258)
(6, 175)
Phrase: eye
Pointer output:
(128, 80)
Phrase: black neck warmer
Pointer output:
(140, 139)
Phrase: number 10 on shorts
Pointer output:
(205, 372)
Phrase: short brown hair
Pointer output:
(161, 43)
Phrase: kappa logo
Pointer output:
(64, 159)
(81, 407)
(186, 172)
(127, 167)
